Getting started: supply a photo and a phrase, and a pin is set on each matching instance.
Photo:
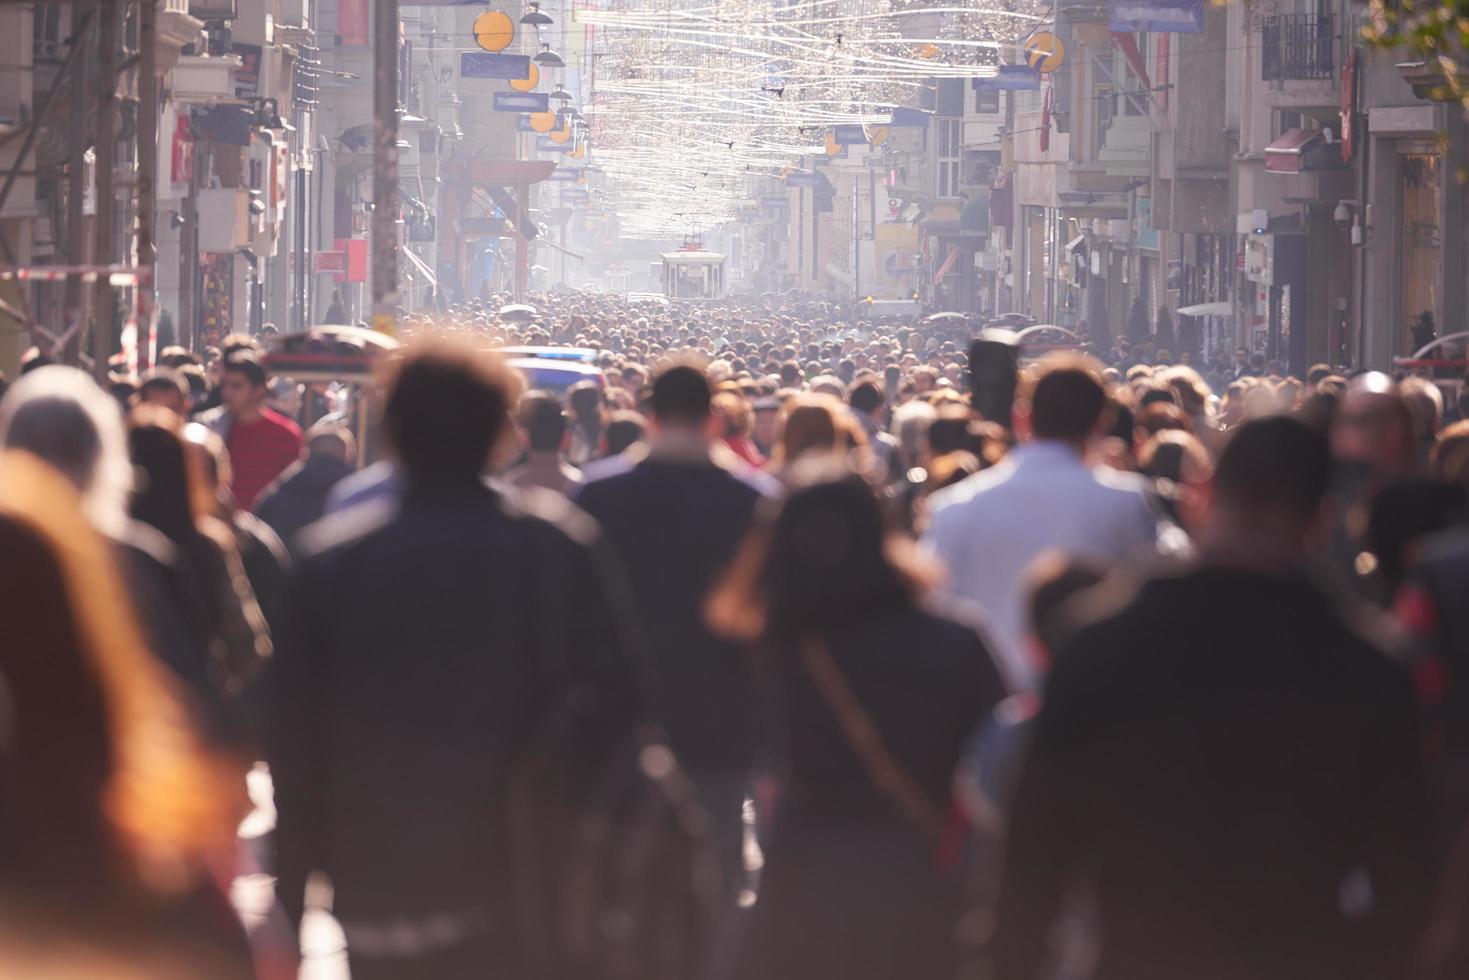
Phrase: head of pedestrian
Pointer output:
(681, 401)
(821, 560)
(447, 411)
(625, 429)
(812, 427)
(1373, 428)
(165, 388)
(542, 423)
(1266, 502)
(59, 415)
(244, 385)
(331, 440)
(1063, 401)
(866, 397)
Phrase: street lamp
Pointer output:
(548, 58)
(534, 17)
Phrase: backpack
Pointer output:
(615, 873)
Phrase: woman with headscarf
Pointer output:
(874, 695)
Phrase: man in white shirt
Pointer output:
(1044, 496)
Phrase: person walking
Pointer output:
(875, 693)
(544, 437)
(114, 813)
(675, 517)
(1044, 496)
(421, 672)
(1227, 766)
(261, 441)
(298, 496)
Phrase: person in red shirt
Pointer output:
(261, 442)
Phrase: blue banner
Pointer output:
(483, 64)
(1010, 78)
(522, 102)
(547, 145)
(565, 175)
(803, 179)
(1156, 16)
(849, 135)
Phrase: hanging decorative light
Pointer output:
(560, 94)
(547, 58)
(774, 80)
(534, 18)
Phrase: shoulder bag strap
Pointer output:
(887, 774)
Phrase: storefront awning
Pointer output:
(1287, 155)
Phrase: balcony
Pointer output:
(1298, 61)
(1297, 47)
(213, 9)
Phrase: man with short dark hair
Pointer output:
(261, 441)
(167, 388)
(676, 514)
(1227, 766)
(626, 432)
(545, 437)
(436, 635)
(1044, 496)
(869, 405)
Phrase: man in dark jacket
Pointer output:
(1227, 766)
(298, 496)
(423, 666)
(676, 514)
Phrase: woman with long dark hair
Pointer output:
(874, 695)
(173, 497)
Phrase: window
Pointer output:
(949, 142)
(950, 97)
(987, 103)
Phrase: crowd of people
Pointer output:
(791, 646)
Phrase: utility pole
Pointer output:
(385, 168)
(188, 322)
(106, 150)
(74, 297)
(147, 170)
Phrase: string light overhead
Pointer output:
(691, 99)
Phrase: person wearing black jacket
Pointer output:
(422, 670)
(1229, 766)
(676, 515)
(874, 693)
(298, 496)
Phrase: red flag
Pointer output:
(1046, 122)
(1127, 44)
(181, 169)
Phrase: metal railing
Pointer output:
(1295, 47)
